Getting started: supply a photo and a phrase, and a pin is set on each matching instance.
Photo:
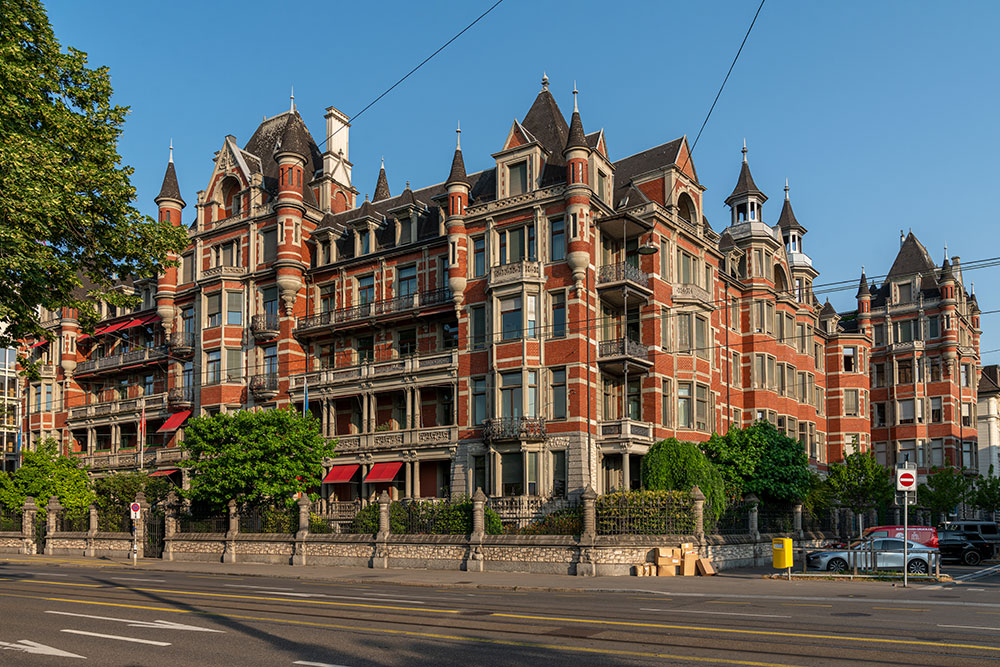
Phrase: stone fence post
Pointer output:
(836, 521)
(170, 528)
(474, 561)
(753, 517)
(797, 521)
(229, 554)
(585, 566)
(51, 523)
(299, 553)
(380, 559)
(92, 526)
(28, 526)
(699, 515)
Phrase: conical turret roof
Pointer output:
(457, 174)
(863, 290)
(787, 218)
(577, 137)
(745, 185)
(381, 186)
(828, 310)
(170, 189)
(294, 138)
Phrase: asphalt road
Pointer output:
(115, 616)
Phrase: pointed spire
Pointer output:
(458, 136)
(382, 186)
(292, 98)
(577, 137)
(545, 81)
(863, 290)
(787, 217)
(786, 189)
(744, 150)
(170, 189)
(576, 109)
(294, 138)
(457, 174)
(745, 184)
(171, 160)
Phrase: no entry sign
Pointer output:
(906, 480)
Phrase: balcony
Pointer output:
(515, 272)
(439, 363)
(617, 354)
(264, 387)
(118, 361)
(615, 282)
(180, 397)
(181, 343)
(525, 429)
(125, 460)
(626, 430)
(47, 370)
(223, 272)
(119, 407)
(690, 292)
(265, 326)
(420, 438)
(398, 305)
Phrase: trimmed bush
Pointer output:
(426, 518)
(672, 465)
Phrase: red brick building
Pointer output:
(530, 328)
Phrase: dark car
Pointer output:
(968, 548)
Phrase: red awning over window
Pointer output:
(114, 327)
(163, 473)
(146, 319)
(41, 342)
(341, 474)
(383, 472)
(174, 421)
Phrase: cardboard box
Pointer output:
(705, 568)
(666, 570)
(669, 560)
(688, 565)
(687, 547)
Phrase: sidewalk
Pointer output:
(727, 581)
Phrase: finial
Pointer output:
(382, 165)
(744, 149)
(862, 269)
(575, 92)
(292, 96)
(946, 251)
(366, 196)
(171, 150)
(545, 81)
(458, 135)
(973, 286)
(786, 189)
(407, 185)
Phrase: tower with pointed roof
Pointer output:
(578, 191)
(291, 154)
(170, 204)
(457, 187)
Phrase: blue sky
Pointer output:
(881, 115)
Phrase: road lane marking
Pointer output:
(214, 576)
(342, 597)
(979, 574)
(95, 602)
(724, 602)
(158, 624)
(967, 627)
(158, 581)
(56, 583)
(45, 574)
(977, 590)
(714, 613)
(28, 646)
(135, 640)
(315, 664)
(900, 609)
(804, 604)
(766, 633)
(268, 588)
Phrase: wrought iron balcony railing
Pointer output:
(514, 428)
(397, 304)
(622, 271)
(622, 347)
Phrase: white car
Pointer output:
(883, 553)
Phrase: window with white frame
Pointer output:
(516, 244)
(517, 178)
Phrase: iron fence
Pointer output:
(775, 520)
(114, 519)
(735, 520)
(10, 520)
(202, 523)
(72, 523)
(646, 513)
(821, 522)
(269, 520)
(516, 513)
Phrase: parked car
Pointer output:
(923, 534)
(968, 548)
(989, 530)
(877, 554)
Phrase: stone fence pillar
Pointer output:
(92, 526)
(699, 515)
(797, 521)
(51, 523)
(380, 559)
(28, 526)
(170, 521)
(299, 553)
(585, 566)
(835, 515)
(753, 516)
(474, 560)
(229, 555)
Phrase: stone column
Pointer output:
(836, 521)
(90, 550)
(699, 515)
(416, 478)
(797, 520)
(753, 502)
(475, 560)
(229, 555)
(170, 522)
(380, 559)
(28, 526)
(586, 567)
(299, 555)
(895, 516)
(417, 408)
(626, 467)
(51, 519)
(408, 476)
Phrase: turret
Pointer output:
(458, 199)
(747, 201)
(791, 231)
(578, 192)
(290, 154)
(170, 205)
(382, 185)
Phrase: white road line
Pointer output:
(315, 664)
(124, 639)
(266, 588)
(977, 590)
(45, 574)
(157, 624)
(979, 574)
(716, 613)
(28, 646)
(342, 597)
(159, 581)
(967, 627)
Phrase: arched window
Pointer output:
(686, 208)
(231, 199)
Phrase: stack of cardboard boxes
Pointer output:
(671, 561)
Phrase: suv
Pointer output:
(969, 548)
(988, 529)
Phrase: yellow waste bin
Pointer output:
(781, 552)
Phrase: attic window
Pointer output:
(602, 179)
(405, 231)
(517, 174)
(905, 293)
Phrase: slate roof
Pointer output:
(989, 381)
(745, 184)
(295, 137)
(652, 158)
(828, 310)
(170, 189)
(787, 218)
(577, 137)
(911, 259)
(381, 186)
(457, 173)
(863, 287)
(546, 123)
(265, 139)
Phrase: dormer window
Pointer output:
(405, 231)
(364, 242)
(517, 178)
(602, 181)
(905, 293)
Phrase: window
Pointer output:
(366, 349)
(558, 393)
(531, 316)
(701, 408)
(966, 374)
(512, 474)
(213, 367)
(559, 476)
(906, 413)
(406, 281)
(327, 298)
(518, 175)
(234, 365)
(557, 239)
(148, 386)
(685, 409)
(904, 371)
(533, 403)
(602, 180)
(878, 414)
(759, 374)
(449, 335)
(366, 289)
(684, 333)
(479, 472)
(510, 395)
(187, 268)
(850, 361)
(666, 401)
(405, 231)
(364, 242)
(269, 243)
(634, 399)
(935, 370)
(701, 337)
(687, 268)
(905, 331)
(558, 314)
(477, 316)
(48, 398)
(234, 308)
(532, 476)
(851, 402)
(879, 335)
(878, 375)
(966, 413)
(905, 293)
(479, 413)
(933, 327)
(406, 342)
(736, 371)
(937, 414)
(517, 244)
(609, 404)
(214, 309)
(937, 452)
(510, 318)
(478, 257)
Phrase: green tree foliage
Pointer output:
(65, 200)
(987, 492)
(118, 490)
(860, 483)
(45, 473)
(262, 457)
(736, 455)
(944, 490)
(672, 465)
(426, 518)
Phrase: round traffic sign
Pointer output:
(134, 507)
(907, 480)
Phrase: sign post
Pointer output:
(136, 512)
(906, 481)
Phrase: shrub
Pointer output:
(425, 518)
(645, 513)
(672, 465)
(566, 521)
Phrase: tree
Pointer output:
(268, 456)
(860, 483)
(45, 473)
(944, 490)
(66, 214)
(672, 465)
(120, 489)
(987, 493)
(736, 455)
